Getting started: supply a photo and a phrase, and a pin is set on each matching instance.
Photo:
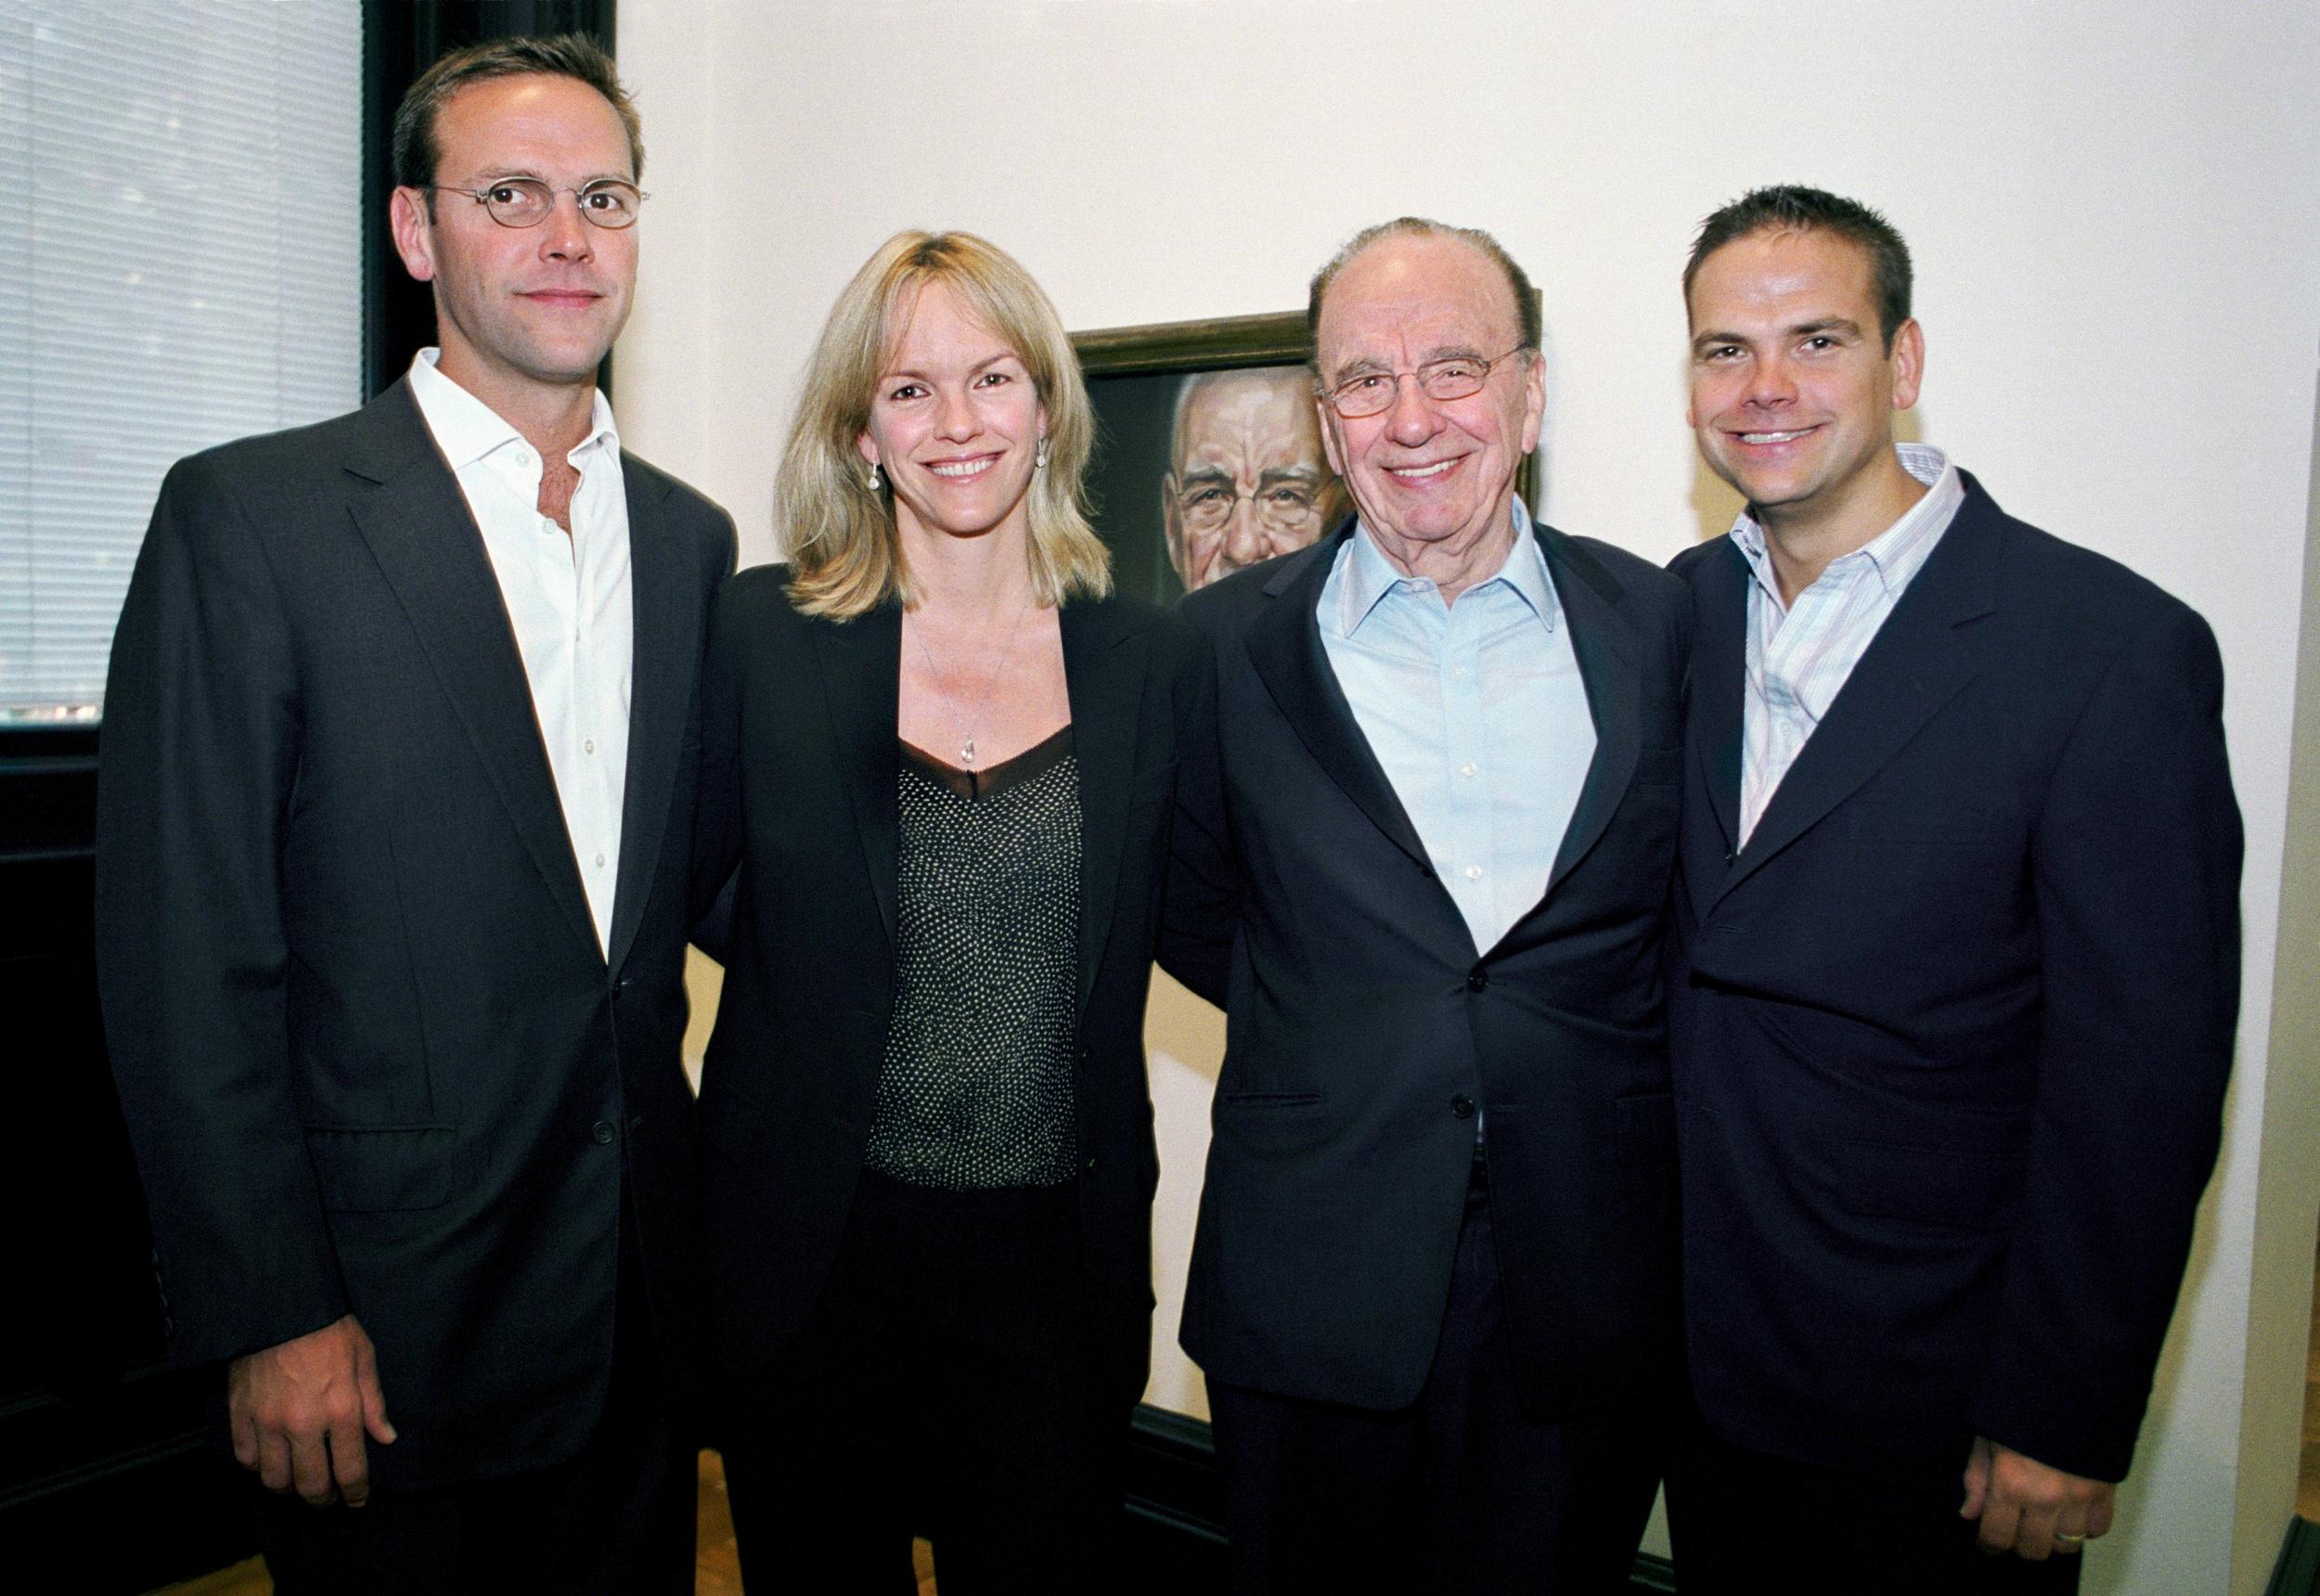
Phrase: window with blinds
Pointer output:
(180, 263)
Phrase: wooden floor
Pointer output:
(717, 1567)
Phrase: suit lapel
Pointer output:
(861, 665)
(1284, 645)
(1103, 670)
(1605, 646)
(1917, 662)
(1719, 614)
(418, 529)
(666, 655)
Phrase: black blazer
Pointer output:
(1951, 1030)
(1362, 1029)
(370, 1055)
(799, 786)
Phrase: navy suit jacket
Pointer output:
(1951, 1030)
(1365, 1029)
(371, 1056)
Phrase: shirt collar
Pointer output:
(1896, 554)
(1365, 577)
(467, 429)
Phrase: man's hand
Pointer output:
(299, 1412)
(2029, 1509)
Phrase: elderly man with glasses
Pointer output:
(1423, 863)
(394, 819)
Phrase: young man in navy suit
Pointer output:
(394, 822)
(1956, 964)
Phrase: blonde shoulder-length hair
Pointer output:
(845, 555)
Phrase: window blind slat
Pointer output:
(188, 269)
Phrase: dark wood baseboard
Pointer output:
(1175, 1540)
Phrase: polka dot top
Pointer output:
(977, 1088)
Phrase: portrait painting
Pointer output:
(1209, 449)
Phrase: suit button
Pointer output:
(1463, 1106)
(603, 1132)
(1477, 979)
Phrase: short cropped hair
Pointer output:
(1792, 208)
(844, 547)
(574, 55)
(1517, 280)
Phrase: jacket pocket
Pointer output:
(396, 1170)
(1965, 1190)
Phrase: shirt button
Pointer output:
(1459, 672)
(1474, 872)
(599, 861)
(590, 747)
(1467, 769)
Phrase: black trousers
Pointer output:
(1745, 1523)
(1460, 1493)
(616, 1519)
(946, 1384)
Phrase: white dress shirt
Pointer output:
(1476, 711)
(567, 602)
(1800, 655)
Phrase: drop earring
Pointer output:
(1038, 456)
(872, 482)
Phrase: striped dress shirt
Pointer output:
(1800, 655)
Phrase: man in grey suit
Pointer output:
(394, 822)
(1422, 864)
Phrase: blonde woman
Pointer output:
(943, 756)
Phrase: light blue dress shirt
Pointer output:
(1477, 712)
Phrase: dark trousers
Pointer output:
(1746, 1524)
(946, 1384)
(1460, 1493)
(616, 1519)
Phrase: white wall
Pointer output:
(2115, 209)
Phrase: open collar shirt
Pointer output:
(568, 600)
(1800, 655)
(1476, 711)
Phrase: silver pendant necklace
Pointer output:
(951, 705)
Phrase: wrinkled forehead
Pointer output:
(1269, 409)
(1416, 298)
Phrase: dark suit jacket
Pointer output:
(799, 786)
(371, 1057)
(1363, 1029)
(1951, 1030)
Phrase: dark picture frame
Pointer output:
(1134, 375)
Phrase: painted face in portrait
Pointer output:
(1426, 470)
(1793, 389)
(522, 306)
(955, 423)
(1249, 478)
